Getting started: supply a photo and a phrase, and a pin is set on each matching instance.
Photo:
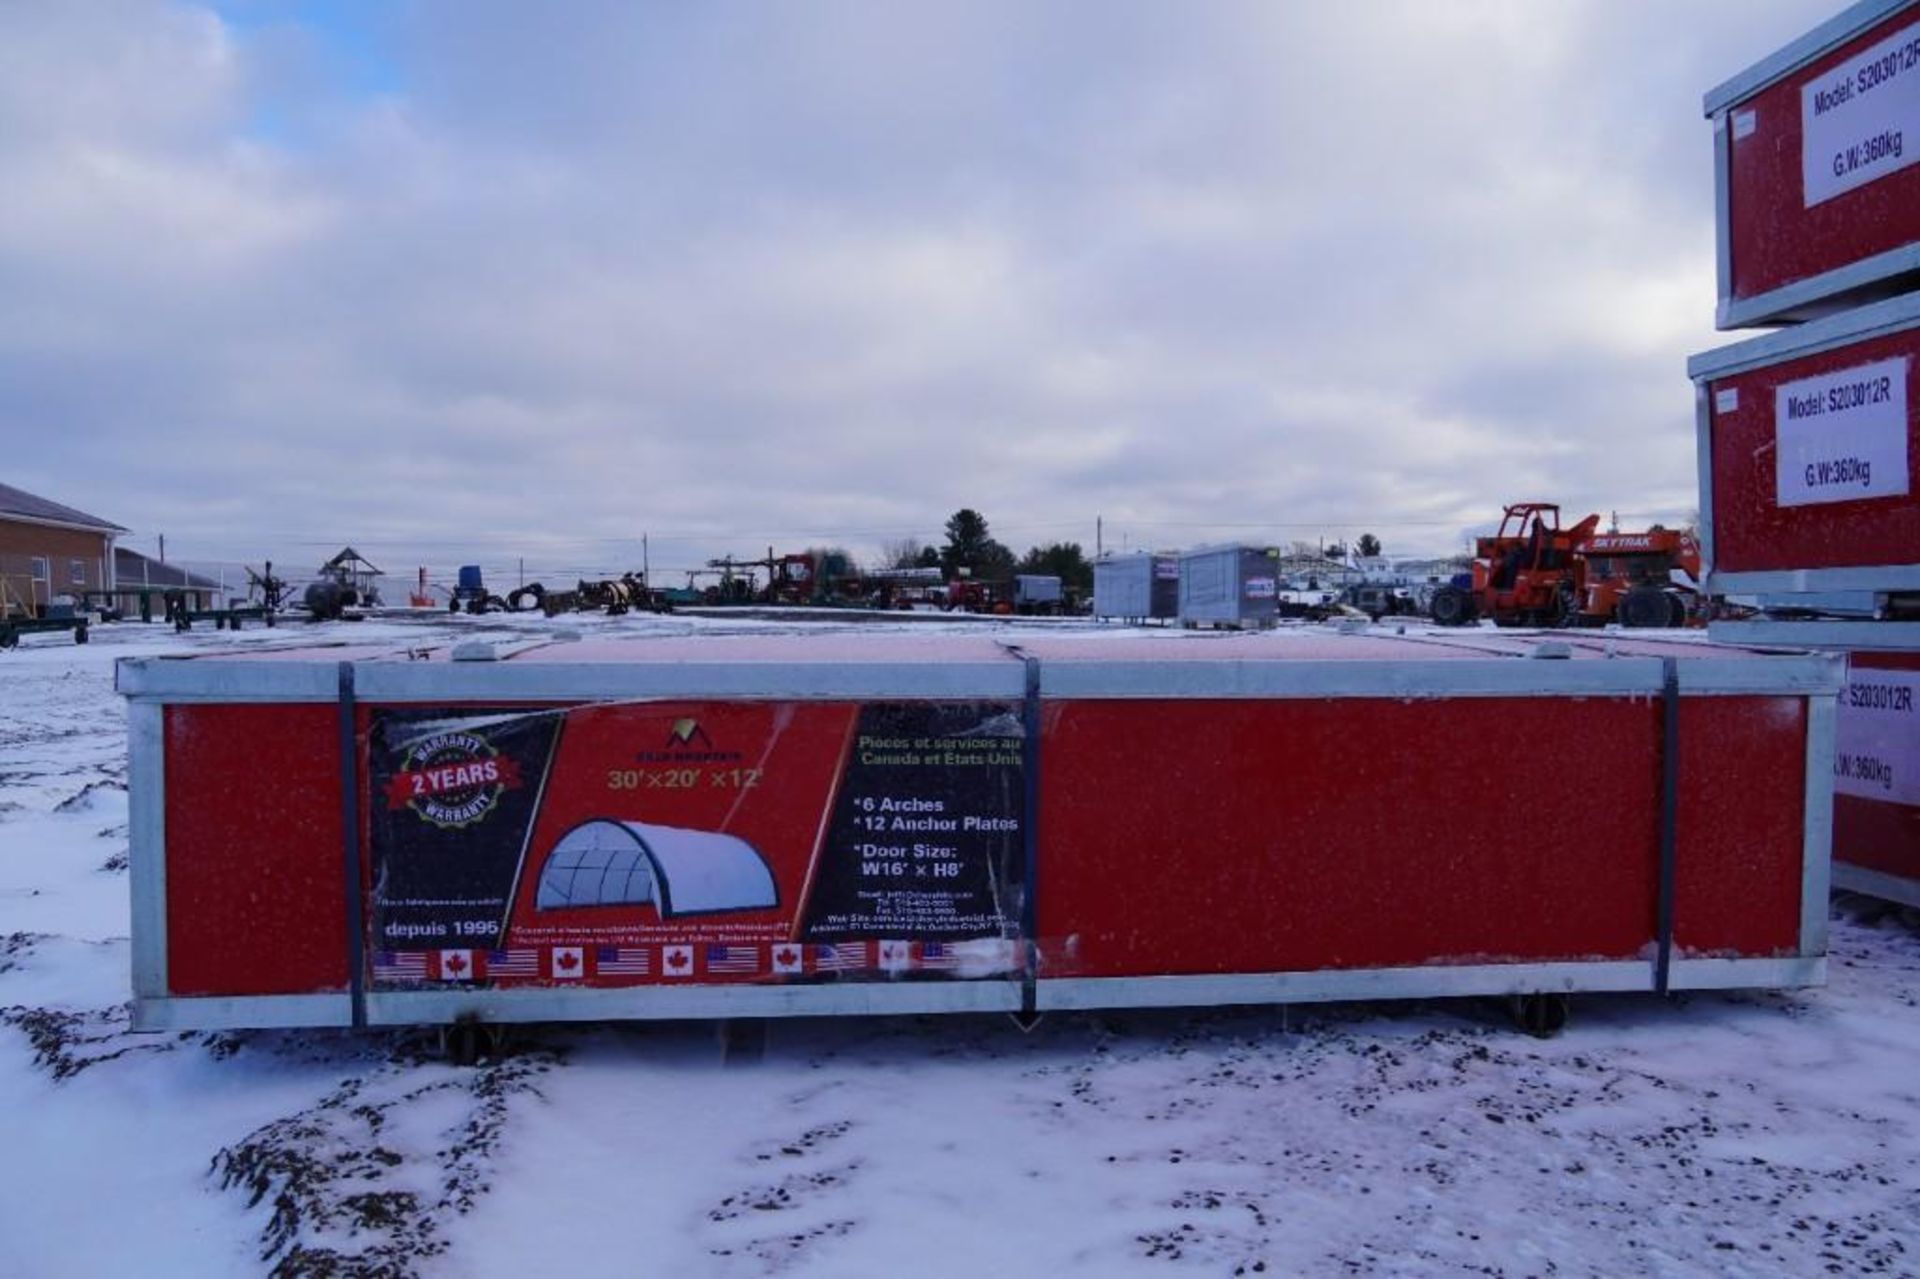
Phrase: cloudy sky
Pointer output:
(473, 280)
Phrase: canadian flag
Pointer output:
(677, 961)
(896, 956)
(567, 963)
(786, 958)
(455, 965)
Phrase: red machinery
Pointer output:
(970, 595)
(1524, 575)
(1533, 572)
(803, 578)
(1628, 577)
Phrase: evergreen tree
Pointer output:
(1064, 560)
(971, 546)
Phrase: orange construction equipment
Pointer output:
(1629, 578)
(1533, 572)
(1524, 575)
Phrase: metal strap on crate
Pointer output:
(1029, 833)
(1030, 840)
(1669, 811)
(350, 847)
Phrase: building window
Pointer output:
(42, 570)
(77, 572)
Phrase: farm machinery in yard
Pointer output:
(1535, 572)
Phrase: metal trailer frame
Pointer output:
(1235, 610)
(1825, 293)
(1859, 636)
(1041, 591)
(152, 684)
(1896, 315)
(1119, 570)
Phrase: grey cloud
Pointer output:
(732, 271)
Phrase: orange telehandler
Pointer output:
(1533, 572)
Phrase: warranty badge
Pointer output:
(452, 779)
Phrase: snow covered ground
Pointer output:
(1750, 1134)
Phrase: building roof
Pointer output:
(351, 560)
(20, 504)
(132, 569)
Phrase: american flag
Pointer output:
(513, 963)
(405, 965)
(840, 956)
(623, 961)
(733, 959)
(938, 956)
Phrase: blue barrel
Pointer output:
(470, 578)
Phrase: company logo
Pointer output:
(686, 732)
(688, 743)
(452, 779)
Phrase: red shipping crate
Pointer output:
(1808, 443)
(1817, 170)
(795, 825)
(1876, 765)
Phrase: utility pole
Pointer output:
(1098, 521)
(163, 548)
(646, 566)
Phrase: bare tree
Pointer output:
(904, 553)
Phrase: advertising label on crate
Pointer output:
(661, 842)
(1877, 737)
(1861, 120)
(452, 796)
(1842, 436)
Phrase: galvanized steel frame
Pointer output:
(1815, 337)
(1783, 62)
(1877, 883)
(206, 680)
(1438, 982)
(147, 846)
(580, 1003)
(1860, 636)
(1816, 859)
(1058, 994)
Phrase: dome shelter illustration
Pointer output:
(603, 862)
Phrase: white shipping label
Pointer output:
(1262, 588)
(1855, 119)
(1841, 437)
(1727, 400)
(1877, 737)
(1744, 123)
